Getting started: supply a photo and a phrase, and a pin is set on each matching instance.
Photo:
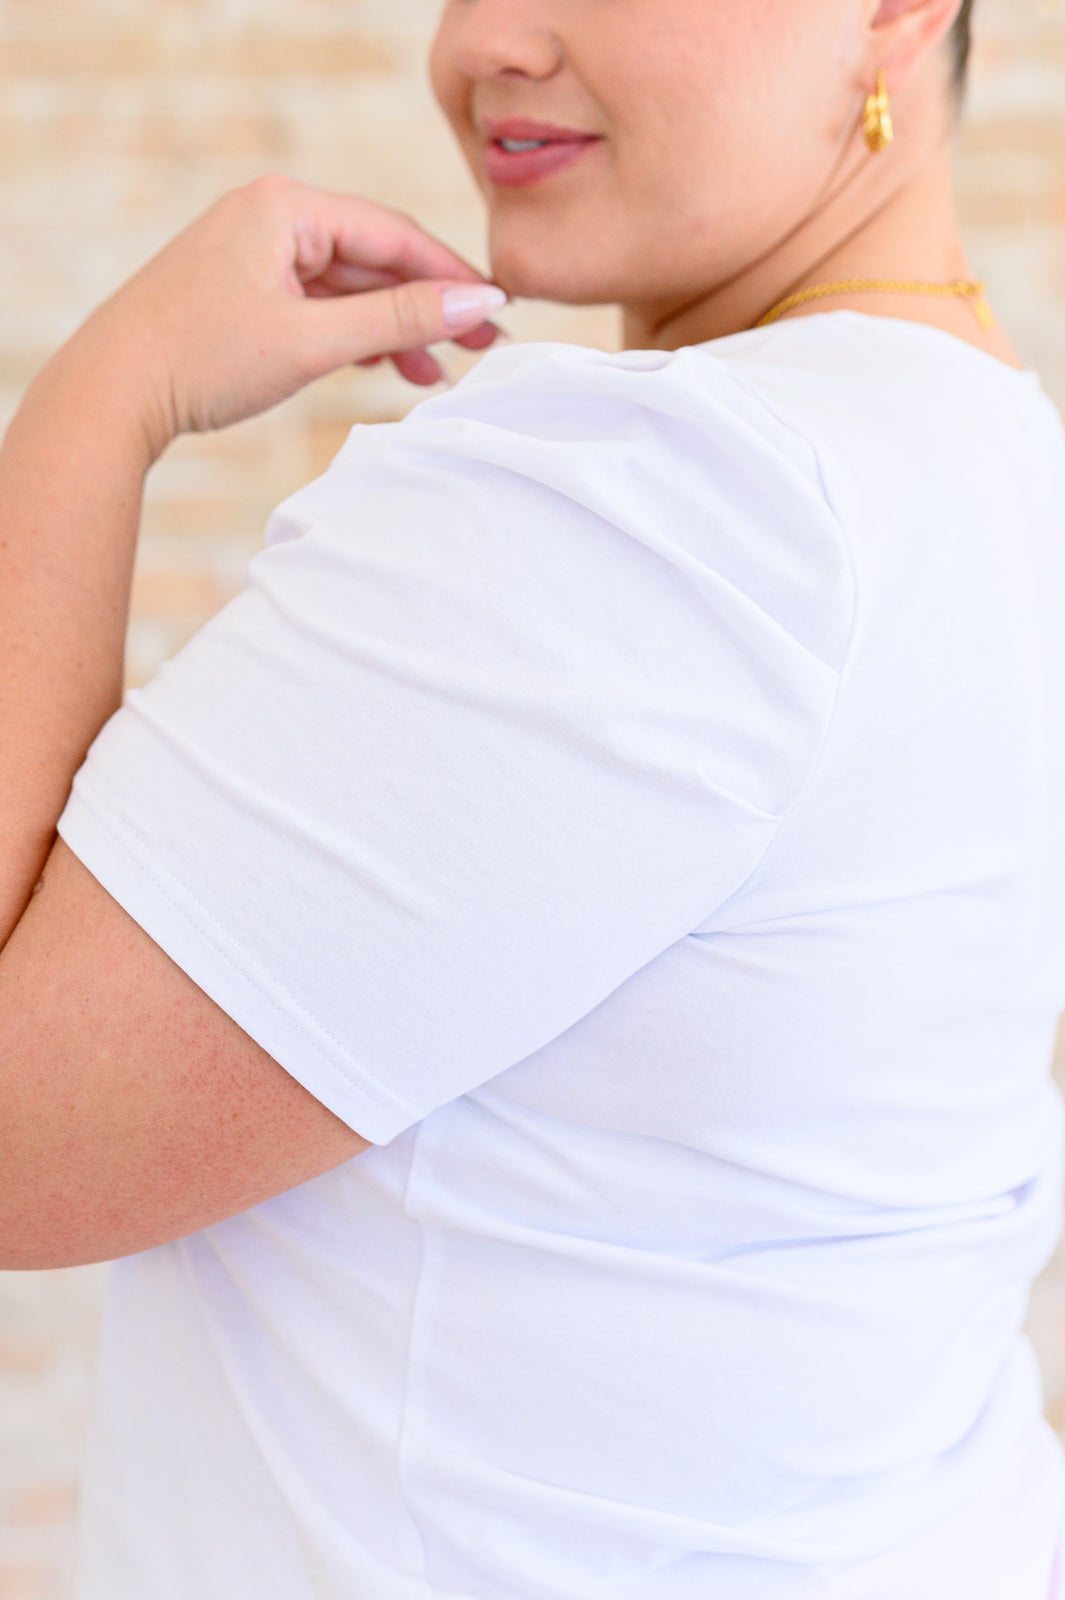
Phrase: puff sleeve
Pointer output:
(514, 698)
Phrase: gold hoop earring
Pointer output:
(877, 125)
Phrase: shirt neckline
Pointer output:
(924, 330)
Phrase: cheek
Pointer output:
(683, 107)
(744, 85)
(717, 147)
(730, 141)
(448, 85)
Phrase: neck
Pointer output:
(895, 221)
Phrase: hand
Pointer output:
(276, 285)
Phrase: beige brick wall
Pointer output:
(119, 121)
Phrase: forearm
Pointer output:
(71, 473)
(276, 285)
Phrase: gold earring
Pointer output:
(876, 122)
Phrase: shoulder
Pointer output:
(588, 454)
(690, 404)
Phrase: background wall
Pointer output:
(119, 121)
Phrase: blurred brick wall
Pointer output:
(120, 120)
(1011, 174)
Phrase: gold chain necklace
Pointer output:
(972, 291)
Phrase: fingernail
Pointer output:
(467, 304)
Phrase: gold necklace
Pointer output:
(973, 291)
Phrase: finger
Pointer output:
(397, 243)
(347, 329)
(340, 277)
(361, 233)
(418, 366)
(481, 337)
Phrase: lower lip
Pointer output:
(518, 169)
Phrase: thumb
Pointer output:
(406, 317)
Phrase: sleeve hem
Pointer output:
(187, 933)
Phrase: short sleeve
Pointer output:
(514, 698)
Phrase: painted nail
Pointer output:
(469, 303)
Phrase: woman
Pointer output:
(552, 991)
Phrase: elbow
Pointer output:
(29, 1249)
(41, 1231)
(44, 1258)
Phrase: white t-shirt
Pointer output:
(631, 792)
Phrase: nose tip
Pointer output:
(495, 40)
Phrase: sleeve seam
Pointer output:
(839, 671)
(284, 1005)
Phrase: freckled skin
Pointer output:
(144, 1113)
(732, 170)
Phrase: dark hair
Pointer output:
(962, 40)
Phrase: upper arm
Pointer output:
(514, 700)
(133, 1110)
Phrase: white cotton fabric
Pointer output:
(630, 792)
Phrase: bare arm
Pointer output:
(238, 313)
(131, 1109)
(70, 497)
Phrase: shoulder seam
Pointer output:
(840, 671)
(822, 484)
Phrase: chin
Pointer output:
(535, 258)
(540, 269)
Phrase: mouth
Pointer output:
(519, 153)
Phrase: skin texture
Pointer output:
(132, 1110)
(732, 170)
(144, 1112)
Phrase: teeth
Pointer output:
(514, 145)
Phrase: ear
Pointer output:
(903, 34)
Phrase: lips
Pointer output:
(557, 148)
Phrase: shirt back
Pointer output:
(708, 1276)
